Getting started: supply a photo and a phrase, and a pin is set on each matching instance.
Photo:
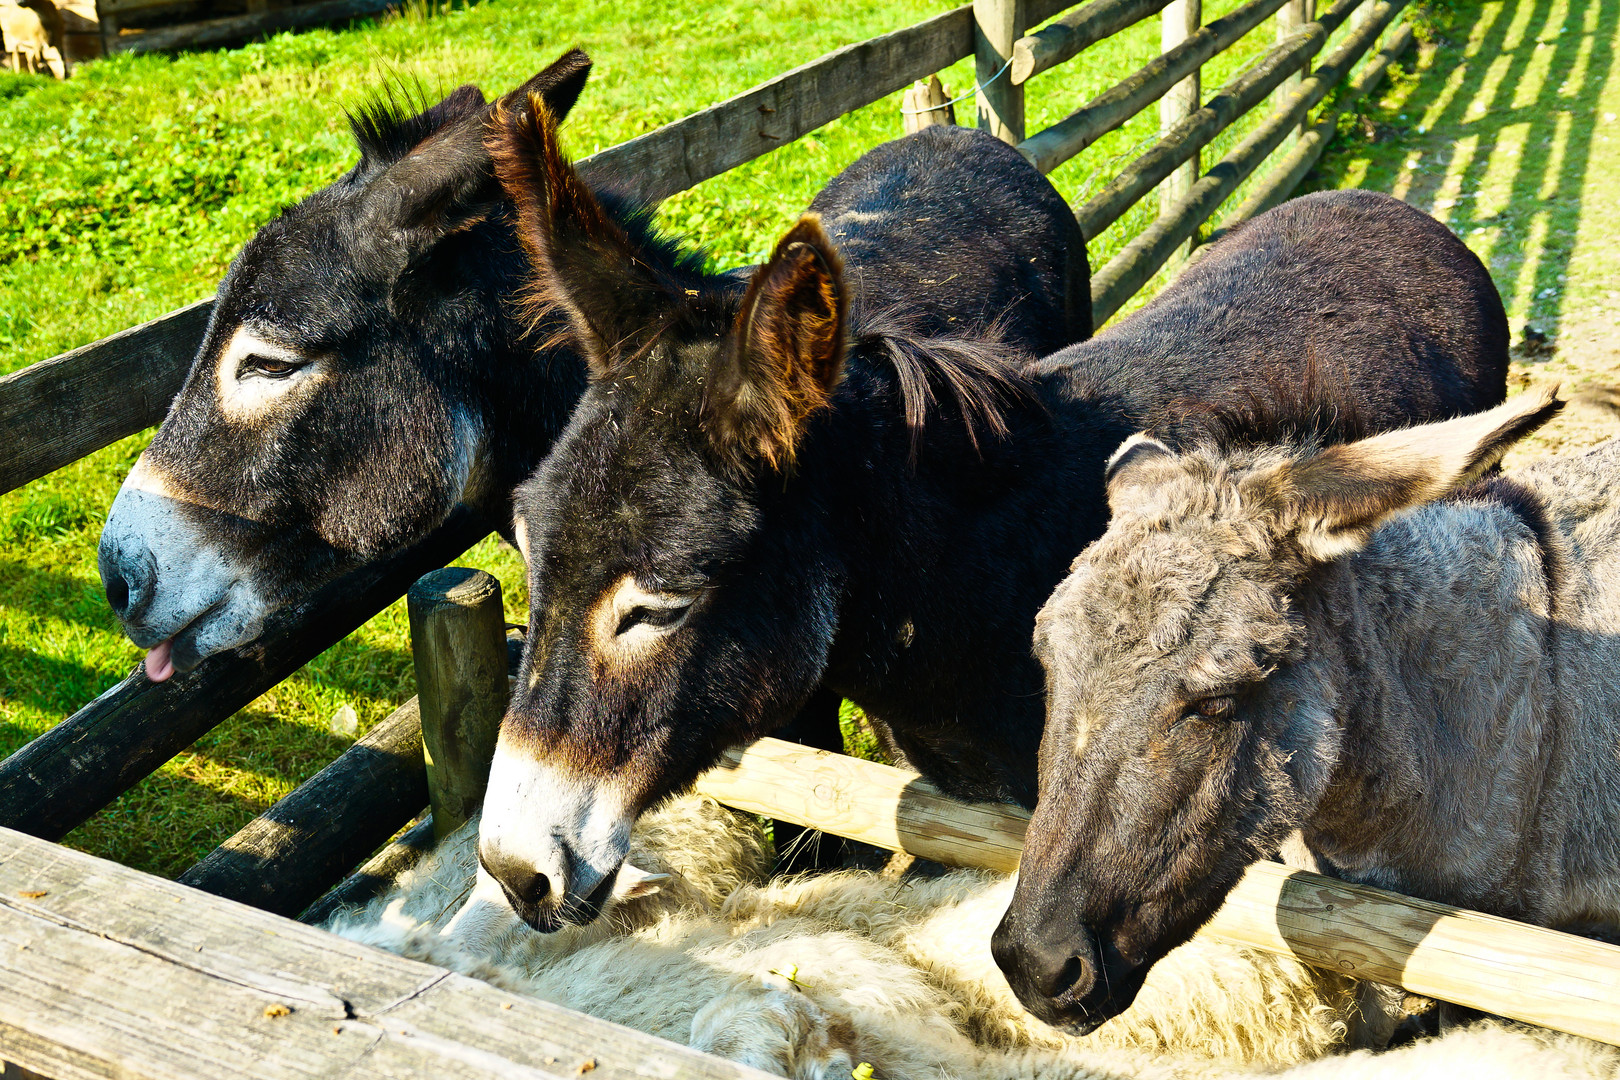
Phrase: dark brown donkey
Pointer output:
(771, 490)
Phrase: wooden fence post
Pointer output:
(1179, 21)
(997, 24)
(458, 637)
(1290, 17)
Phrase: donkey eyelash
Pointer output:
(268, 367)
(666, 615)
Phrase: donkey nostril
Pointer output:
(118, 593)
(1076, 972)
(536, 889)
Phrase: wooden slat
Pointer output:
(212, 32)
(109, 972)
(686, 152)
(286, 858)
(1108, 110)
(1508, 968)
(61, 778)
(1081, 28)
(375, 874)
(1128, 271)
(1232, 101)
(56, 411)
(1292, 169)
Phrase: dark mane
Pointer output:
(983, 375)
(397, 118)
(1314, 411)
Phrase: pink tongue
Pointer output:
(159, 662)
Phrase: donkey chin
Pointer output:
(177, 594)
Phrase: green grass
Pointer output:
(125, 191)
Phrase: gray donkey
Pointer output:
(1362, 657)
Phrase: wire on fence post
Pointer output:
(997, 25)
(1180, 20)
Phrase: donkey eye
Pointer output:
(668, 613)
(1213, 708)
(270, 367)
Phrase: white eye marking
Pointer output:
(254, 374)
(520, 533)
(629, 619)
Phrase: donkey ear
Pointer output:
(442, 181)
(786, 353)
(1136, 456)
(584, 264)
(1344, 492)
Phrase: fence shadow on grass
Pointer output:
(1496, 137)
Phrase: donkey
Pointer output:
(771, 492)
(361, 374)
(1363, 656)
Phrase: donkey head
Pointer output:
(348, 391)
(675, 614)
(1191, 725)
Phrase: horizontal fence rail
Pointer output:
(1113, 107)
(1065, 37)
(1504, 967)
(112, 973)
(59, 780)
(1143, 256)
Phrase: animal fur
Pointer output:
(808, 977)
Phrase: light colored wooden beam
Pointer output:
(112, 973)
(1524, 972)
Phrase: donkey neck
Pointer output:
(1436, 641)
(947, 558)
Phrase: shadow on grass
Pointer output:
(1473, 95)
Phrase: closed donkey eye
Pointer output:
(1216, 708)
(269, 367)
(657, 611)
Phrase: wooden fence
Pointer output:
(62, 409)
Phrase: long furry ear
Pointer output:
(584, 264)
(785, 354)
(1344, 492)
(438, 178)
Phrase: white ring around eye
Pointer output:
(244, 396)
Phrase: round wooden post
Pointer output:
(1290, 17)
(997, 25)
(458, 637)
(1179, 21)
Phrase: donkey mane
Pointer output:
(983, 375)
(398, 117)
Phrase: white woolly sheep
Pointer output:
(807, 977)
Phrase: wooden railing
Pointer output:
(62, 409)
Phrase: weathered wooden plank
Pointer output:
(1292, 169)
(1178, 22)
(1108, 110)
(113, 973)
(212, 32)
(1081, 28)
(56, 411)
(1128, 271)
(1232, 101)
(61, 778)
(458, 640)
(284, 859)
(1525, 972)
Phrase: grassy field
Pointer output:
(125, 191)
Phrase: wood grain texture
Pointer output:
(61, 778)
(1065, 38)
(167, 983)
(1128, 271)
(375, 874)
(286, 858)
(212, 32)
(1178, 22)
(1233, 100)
(1108, 110)
(56, 411)
(1524, 972)
(997, 25)
(458, 641)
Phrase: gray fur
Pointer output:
(1424, 674)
